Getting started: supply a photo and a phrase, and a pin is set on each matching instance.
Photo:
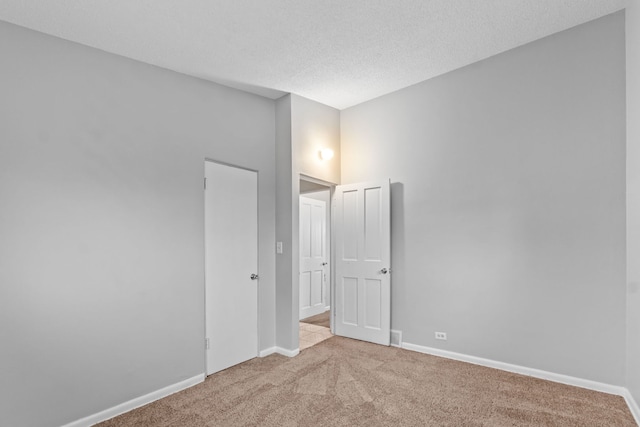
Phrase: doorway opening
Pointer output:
(315, 262)
(358, 269)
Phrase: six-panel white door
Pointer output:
(362, 262)
(313, 257)
(231, 258)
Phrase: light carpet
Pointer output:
(343, 382)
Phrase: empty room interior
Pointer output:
(319, 213)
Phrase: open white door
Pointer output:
(362, 219)
(231, 263)
(313, 257)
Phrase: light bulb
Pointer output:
(326, 154)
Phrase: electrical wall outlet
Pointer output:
(441, 336)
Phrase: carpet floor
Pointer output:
(321, 319)
(343, 382)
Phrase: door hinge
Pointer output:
(206, 343)
(205, 183)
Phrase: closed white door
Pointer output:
(313, 257)
(231, 252)
(362, 221)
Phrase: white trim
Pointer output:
(279, 350)
(399, 334)
(633, 405)
(136, 403)
(537, 373)
(268, 351)
(318, 181)
(288, 353)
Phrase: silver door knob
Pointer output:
(385, 270)
(254, 277)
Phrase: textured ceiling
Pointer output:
(337, 52)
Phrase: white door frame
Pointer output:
(205, 339)
(331, 187)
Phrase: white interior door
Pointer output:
(362, 221)
(313, 257)
(231, 252)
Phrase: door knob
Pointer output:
(385, 270)
(324, 263)
(254, 277)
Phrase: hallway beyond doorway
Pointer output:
(314, 329)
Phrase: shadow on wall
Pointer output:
(397, 253)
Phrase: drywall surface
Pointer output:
(102, 226)
(508, 202)
(633, 197)
(315, 126)
(303, 127)
(287, 261)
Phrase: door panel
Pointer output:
(372, 224)
(305, 290)
(349, 304)
(316, 288)
(231, 257)
(349, 216)
(313, 257)
(373, 296)
(363, 254)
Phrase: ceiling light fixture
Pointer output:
(326, 154)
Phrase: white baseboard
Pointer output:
(279, 350)
(288, 353)
(268, 351)
(396, 338)
(136, 403)
(537, 373)
(633, 405)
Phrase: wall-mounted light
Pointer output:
(326, 154)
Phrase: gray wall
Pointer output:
(508, 202)
(315, 126)
(101, 225)
(303, 127)
(286, 287)
(633, 198)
